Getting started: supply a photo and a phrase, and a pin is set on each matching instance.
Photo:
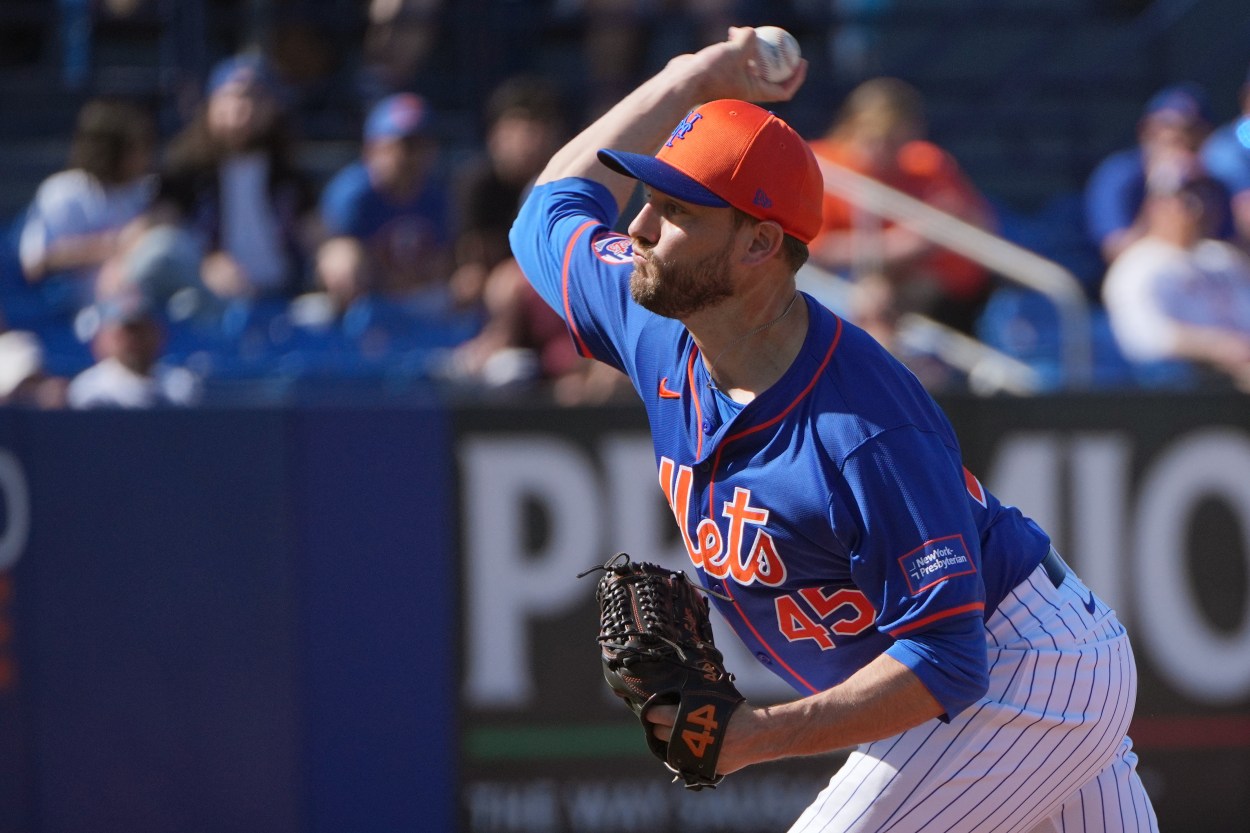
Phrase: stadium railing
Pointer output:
(1006, 259)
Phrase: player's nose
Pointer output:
(644, 228)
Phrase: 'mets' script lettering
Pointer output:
(724, 555)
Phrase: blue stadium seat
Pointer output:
(1025, 325)
(65, 354)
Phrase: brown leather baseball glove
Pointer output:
(656, 646)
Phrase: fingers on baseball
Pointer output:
(745, 37)
(780, 90)
(791, 85)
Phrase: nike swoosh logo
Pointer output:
(1090, 604)
(665, 393)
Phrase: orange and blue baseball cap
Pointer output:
(733, 153)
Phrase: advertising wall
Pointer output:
(1148, 498)
(369, 619)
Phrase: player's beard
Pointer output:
(676, 290)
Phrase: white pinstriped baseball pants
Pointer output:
(1044, 751)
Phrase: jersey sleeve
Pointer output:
(950, 661)
(916, 555)
(564, 242)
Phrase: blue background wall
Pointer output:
(224, 621)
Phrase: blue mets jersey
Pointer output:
(833, 511)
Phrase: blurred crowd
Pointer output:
(206, 252)
(169, 258)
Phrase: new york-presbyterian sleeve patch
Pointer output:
(613, 247)
(935, 561)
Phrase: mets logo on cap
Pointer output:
(734, 153)
(683, 127)
(752, 160)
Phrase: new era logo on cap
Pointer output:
(733, 153)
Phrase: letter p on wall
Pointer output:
(505, 583)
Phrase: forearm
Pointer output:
(881, 700)
(1222, 348)
(83, 250)
(638, 123)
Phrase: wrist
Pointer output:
(716, 71)
(681, 83)
(747, 740)
(687, 76)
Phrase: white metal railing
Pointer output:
(988, 371)
(1012, 262)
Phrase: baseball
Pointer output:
(777, 53)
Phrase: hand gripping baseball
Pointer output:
(729, 70)
(656, 648)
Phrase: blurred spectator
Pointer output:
(343, 276)
(393, 199)
(524, 127)
(880, 133)
(517, 343)
(1172, 127)
(128, 344)
(399, 38)
(231, 175)
(522, 339)
(1177, 293)
(75, 222)
(159, 259)
(524, 342)
(306, 53)
(621, 37)
(874, 308)
(23, 380)
(1226, 156)
(592, 383)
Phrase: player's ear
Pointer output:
(765, 241)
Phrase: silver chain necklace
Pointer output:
(737, 341)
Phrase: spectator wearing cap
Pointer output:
(128, 344)
(393, 200)
(1177, 294)
(1173, 125)
(232, 178)
(1226, 156)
